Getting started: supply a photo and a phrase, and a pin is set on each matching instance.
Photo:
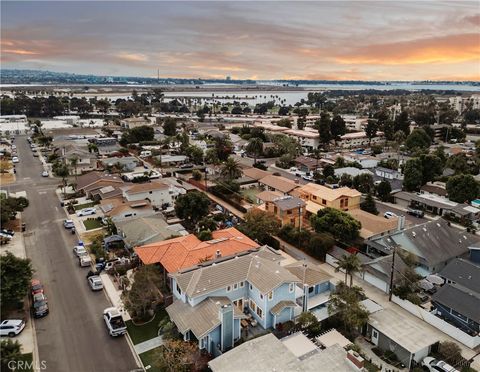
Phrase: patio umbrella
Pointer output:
(425, 284)
(435, 279)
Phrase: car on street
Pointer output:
(45, 173)
(79, 250)
(36, 287)
(15, 159)
(86, 212)
(307, 178)
(95, 283)
(114, 322)
(435, 365)
(416, 212)
(11, 327)
(8, 232)
(40, 305)
(185, 166)
(389, 215)
(68, 224)
(84, 260)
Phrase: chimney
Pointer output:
(401, 223)
(218, 254)
(356, 359)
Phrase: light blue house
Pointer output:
(212, 299)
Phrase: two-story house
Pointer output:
(458, 301)
(318, 197)
(158, 193)
(288, 209)
(212, 298)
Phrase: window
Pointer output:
(178, 289)
(235, 286)
(346, 202)
(241, 284)
(229, 288)
(374, 334)
(310, 289)
(289, 212)
(251, 287)
(275, 209)
(204, 342)
(253, 305)
(324, 202)
(270, 296)
(291, 287)
(261, 296)
(259, 312)
(314, 197)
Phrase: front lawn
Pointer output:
(148, 358)
(92, 224)
(83, 206)
(147, 331)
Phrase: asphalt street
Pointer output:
(73, 337)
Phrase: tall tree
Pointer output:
(368, 205)
(383, 190)
(324, 128)
(462, 188)
(169, 126)
(402, 123)
(345, 304)
(418, 140)
(255, 147)
(260, 225)
(74, 163)
(231, 169)
(16, 274)
(350, 265)
(413, 174)
(340, 224)
(371, 129)
(192, 206)
(338, 127)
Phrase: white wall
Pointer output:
(438, 323)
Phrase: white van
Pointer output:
(145, 154)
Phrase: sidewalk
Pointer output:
(148, 345)
(114, 295)
(27, 338)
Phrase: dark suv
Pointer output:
(40, 305)
(416, 212)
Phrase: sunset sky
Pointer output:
(342, 40)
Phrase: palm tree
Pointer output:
(255, 147)
(231, 169)
(74, 163)
(350, 264)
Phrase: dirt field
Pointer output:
(7, 178)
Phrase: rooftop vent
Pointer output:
(414, 234)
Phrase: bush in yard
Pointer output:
(179, 356)
(16, 274)
(196, 175)
(145, 293)
(204, 235)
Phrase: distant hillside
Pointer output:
(13, 76)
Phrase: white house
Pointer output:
(308, 139)
(389, 174)
(13, 124)
(157, 193)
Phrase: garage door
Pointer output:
(373, 280)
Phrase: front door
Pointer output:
(375, 336)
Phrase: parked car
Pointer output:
(45, 173)
(11, 327)
(307, 178)
(86, 212)
(416, 212)
(185, 166)
(114, 321)
(36, 287)
(8, 232)
(40, 305)
(389, 215)
(35, 155)
(95, 283)
(435, 365)
(68, 224)
(79, 250)
(5, 237)
(15, 159)
(84, 260)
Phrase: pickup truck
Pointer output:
(114, 321)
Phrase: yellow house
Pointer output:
(318, 197)
(288, 209)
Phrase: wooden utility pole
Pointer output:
(392, 271)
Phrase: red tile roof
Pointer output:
(186, 251)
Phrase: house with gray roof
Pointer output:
(292, 353)
(211, 298)
(434, 244)
(458, 300)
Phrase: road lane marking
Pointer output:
(42, 192)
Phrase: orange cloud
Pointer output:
(446, 49)
(132, 57)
